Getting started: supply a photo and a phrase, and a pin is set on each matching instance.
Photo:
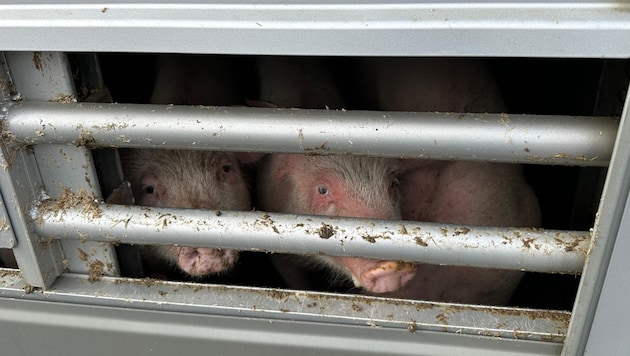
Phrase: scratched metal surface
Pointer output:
(274, 304)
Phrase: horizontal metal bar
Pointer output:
(273, 304)
(557, 140)
(578, 29)
(507, 248)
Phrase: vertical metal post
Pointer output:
(21, 186)
(610, 226)
(46, 76)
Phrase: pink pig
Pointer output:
(347, 186)
(188, 179)
(458, 192)
(474, 193)
(336, 185)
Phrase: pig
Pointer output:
(188, 179)
(458, 192)
(350, 186)
(185, 178)
(465, 193)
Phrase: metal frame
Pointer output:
(279, 322)
(599, 301)
(578, 29)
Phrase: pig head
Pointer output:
(188, 179)
(472, 193)
(349, 186)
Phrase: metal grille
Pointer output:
(67, 266)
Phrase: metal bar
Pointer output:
(577, 29)
(557, 140)
(509, 248)
(272, 304)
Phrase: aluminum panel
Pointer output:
(271, 305)
(7, 237)
(21, 188)
(595, 29)
(40, 260)
(121, 331)
(605, 238)
(608, 333)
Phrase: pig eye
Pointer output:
(322, 189)
(226, 168)
(395, 183)
(149, 189)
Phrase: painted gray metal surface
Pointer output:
(41, 76)
(64, 132)
(277, 305)
(46, 76)
(557, 29)
(21, 188)
(596, 29)
(609, 331)
(510, 248)
(609, 234)
(559, 140)
(7, 237)
(84, 136)
(121, 331)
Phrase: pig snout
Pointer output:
(202, 261)
(379, 276)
